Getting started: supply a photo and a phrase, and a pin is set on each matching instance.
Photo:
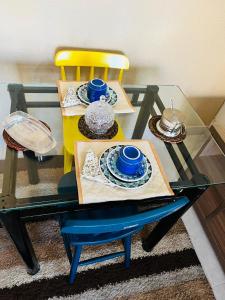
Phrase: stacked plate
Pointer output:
(109, 169)
(81, 93)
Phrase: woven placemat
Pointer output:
(11, 143)
(93, 136)
(174, 140)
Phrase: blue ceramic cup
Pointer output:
(95, 89)
(130, 160)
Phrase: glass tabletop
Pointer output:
(27, 179)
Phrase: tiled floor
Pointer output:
(206, 255)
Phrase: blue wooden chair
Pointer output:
(99, 226)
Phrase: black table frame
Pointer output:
(14, 215)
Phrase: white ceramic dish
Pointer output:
(29, 132)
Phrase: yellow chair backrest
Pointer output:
(75, 58)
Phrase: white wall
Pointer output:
(168, 42)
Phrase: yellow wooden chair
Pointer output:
(92, 59)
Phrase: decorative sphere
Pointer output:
(99, 117)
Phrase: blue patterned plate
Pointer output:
(120, 183)
(81, 93)
(111, 164)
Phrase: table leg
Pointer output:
(161, 229)
(167, 223)
(30, 159)
(17, 231)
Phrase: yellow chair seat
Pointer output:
(72, 134)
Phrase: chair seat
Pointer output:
(100, 226)
(96, 239)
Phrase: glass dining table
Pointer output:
(29, 182)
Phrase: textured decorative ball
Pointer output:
(99, 117)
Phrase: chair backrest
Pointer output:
(76, 58)
(102, 225)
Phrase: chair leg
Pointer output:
(67, 247)
(68, 161)
(75, 263)
(127, 248)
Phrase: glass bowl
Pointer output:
(99, 117)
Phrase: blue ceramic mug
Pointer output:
(130, 160)
(95, 89)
